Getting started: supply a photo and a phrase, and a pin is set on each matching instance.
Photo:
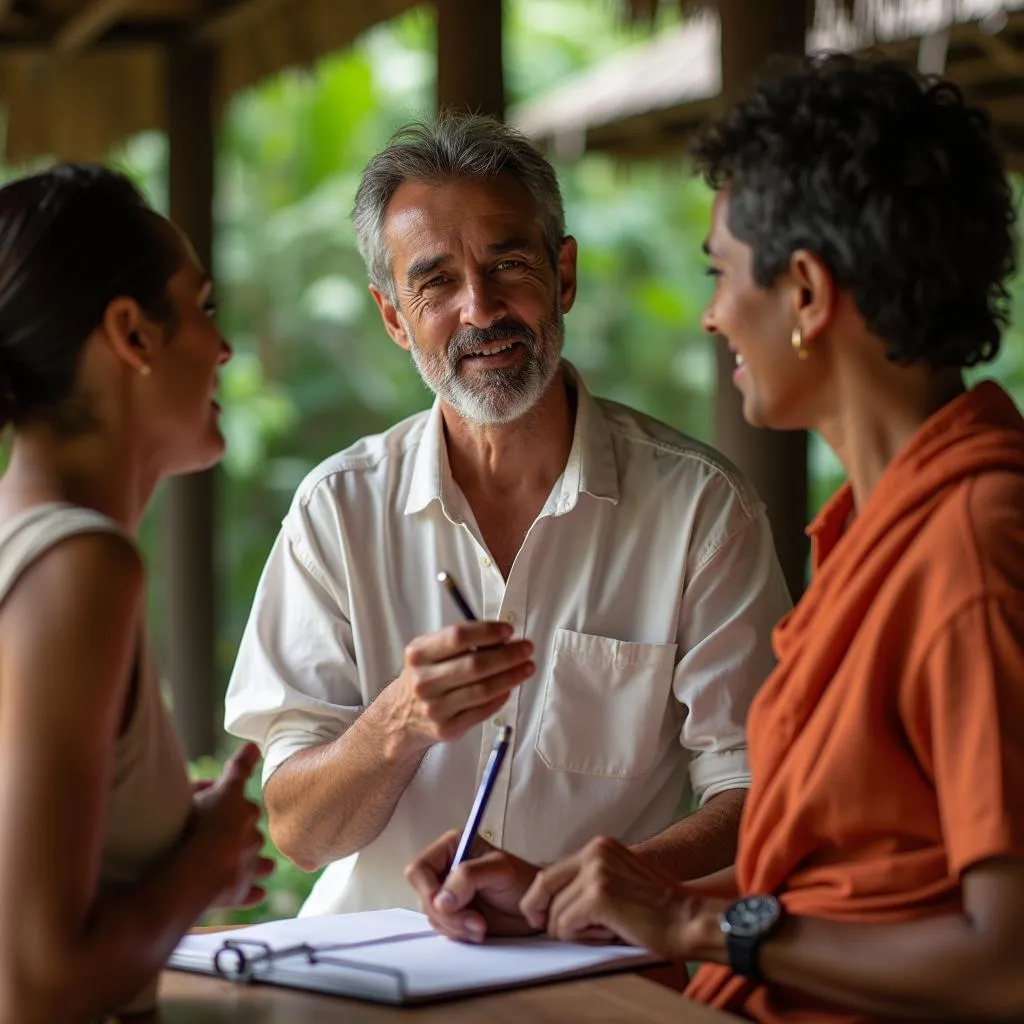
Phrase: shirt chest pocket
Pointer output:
(604, 705)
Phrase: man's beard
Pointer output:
(503, 394)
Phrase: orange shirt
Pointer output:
(887, 748)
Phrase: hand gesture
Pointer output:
(225, 824)
(481, 897)
(451, 681)
(606, 891)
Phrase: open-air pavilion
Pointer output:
(78, 76)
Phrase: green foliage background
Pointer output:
(313, 369)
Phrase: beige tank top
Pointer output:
(150, 796)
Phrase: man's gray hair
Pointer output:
(456, 147)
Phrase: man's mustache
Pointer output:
(469, 339)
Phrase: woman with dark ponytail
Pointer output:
(108, 369)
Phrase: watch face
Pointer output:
(751, 916)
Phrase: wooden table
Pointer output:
(613, 999)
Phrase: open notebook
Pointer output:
(390, 956)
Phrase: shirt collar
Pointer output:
(591, 467)
(431, 473)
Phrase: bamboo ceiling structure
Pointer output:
(646, 101)
(77, 76)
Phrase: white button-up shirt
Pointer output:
(648, 585)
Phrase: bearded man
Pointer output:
(622, 575)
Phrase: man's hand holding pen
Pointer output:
(452, 680)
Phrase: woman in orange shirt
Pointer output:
(861, 240)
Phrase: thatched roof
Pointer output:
(76, 76)
(646, 100)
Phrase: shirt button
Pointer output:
(487, 834)
(509, 618)
(497, 722)
(485, 562)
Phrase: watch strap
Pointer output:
(743, 955)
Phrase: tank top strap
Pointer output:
(31, 533)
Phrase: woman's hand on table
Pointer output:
(481, 897)
(606, 890)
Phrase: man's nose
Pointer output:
(482, 302)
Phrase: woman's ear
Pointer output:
(132, 336)
(814, 291)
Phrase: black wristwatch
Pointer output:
(746, 924)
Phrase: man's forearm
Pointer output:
(333, 799)
(702, 843)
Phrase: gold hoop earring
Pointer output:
(797, 341)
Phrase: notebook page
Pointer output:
(414, 964)
(437, 966)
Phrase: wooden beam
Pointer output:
(1010, 137)
(190, 504)
(775, 462)
(237, 18)
(89, 24)
(469, 56)
(1015, 162)
(1003, 55)
(1002, 109)
(123, 36)
(978, 71)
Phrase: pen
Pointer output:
(498, 750)
(448, 583)
(483, 794)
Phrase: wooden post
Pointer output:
(470, 72)
(775, 462)
(189, 505)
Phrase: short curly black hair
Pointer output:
(890, 179)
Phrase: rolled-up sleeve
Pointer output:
(294, 684)
(732, 601)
